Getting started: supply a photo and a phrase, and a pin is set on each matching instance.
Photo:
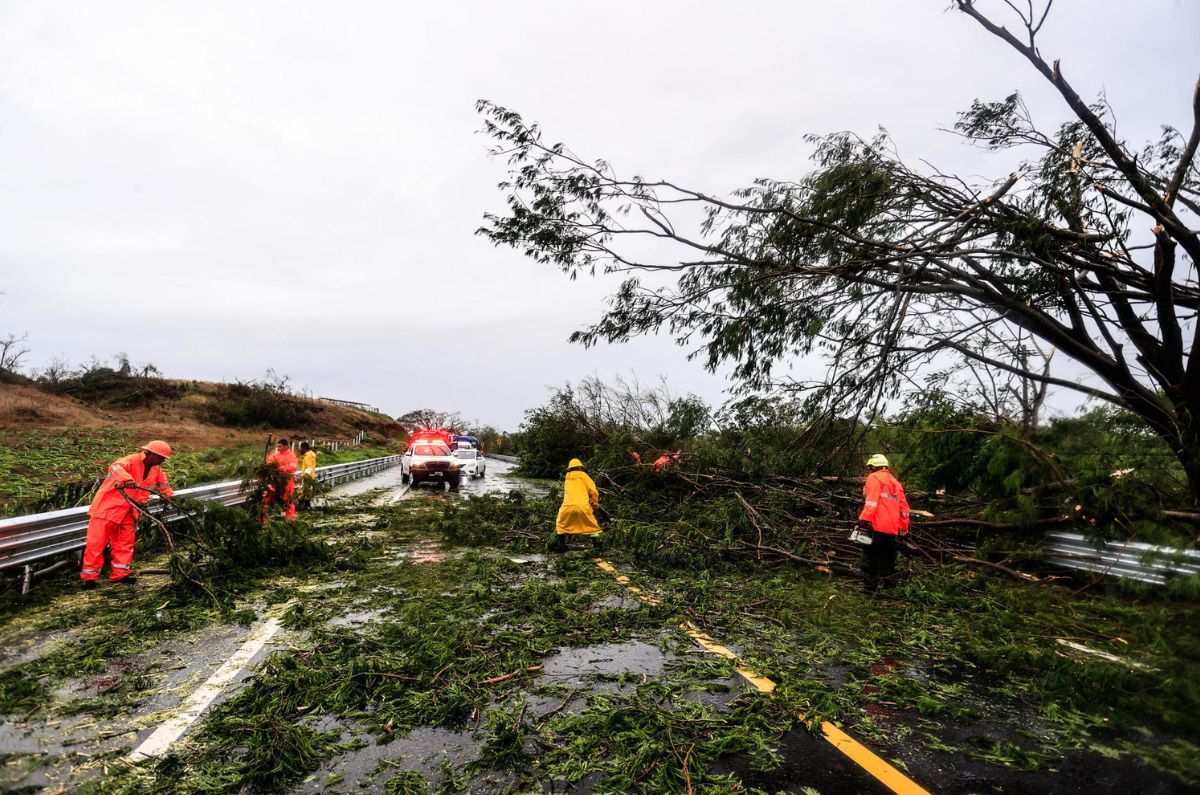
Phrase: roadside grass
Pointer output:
(54, 468)
(46, 470)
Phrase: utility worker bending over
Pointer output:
(885, 517)
(282, 457)
(576, 515)
(113, 520)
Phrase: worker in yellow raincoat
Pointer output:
(308, 476)
(577, 515)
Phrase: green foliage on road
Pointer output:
(950, 661)
(435, 613)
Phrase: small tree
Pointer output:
(886, 270)
(12, 351)
(430, 418)
(56, 372)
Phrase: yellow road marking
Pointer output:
(759, 681)
(878, 768)
(883, 772)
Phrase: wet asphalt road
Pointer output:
(71, 744)
(498, 479)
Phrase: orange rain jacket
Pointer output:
(285, 459)
(108, 503)
(884, 503)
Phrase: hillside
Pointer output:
(53, 446)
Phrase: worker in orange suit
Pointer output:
(113, 520)
(285, 459)
(667, 460)
(884, 517)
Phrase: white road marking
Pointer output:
(195, 704)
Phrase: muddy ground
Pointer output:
(409, 664)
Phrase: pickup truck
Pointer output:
(430, 461)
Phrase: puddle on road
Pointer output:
(358, 618)
(631, 657)
(31, 647)
(614, 602)
(837, 675)
(420, 554)
(719, 693)
(428, 751)
(500, 480)
(387, 480)
(523, 560)
(427, 555)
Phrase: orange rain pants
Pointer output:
(120, 536)
(288, 499)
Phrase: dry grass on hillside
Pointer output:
(181, 421)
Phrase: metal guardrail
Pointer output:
(512, 459)
(1126, 559)
(26, 539)
(351, 404)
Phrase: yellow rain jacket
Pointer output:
(580, 496)
(308, 473)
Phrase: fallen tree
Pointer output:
(890, 271)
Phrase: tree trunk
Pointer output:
(1188, 452)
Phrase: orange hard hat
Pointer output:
(158, 447)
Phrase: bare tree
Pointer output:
(12, 351)
(430, 418)
(884, 269)
(57, 371)
(1003, 395)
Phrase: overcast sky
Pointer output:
(224, 187)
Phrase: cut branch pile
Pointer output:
(802, 520)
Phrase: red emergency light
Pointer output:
(439, 436)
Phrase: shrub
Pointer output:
(258, 405)
(122, 386)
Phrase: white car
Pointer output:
(472, 461)
(426, 461)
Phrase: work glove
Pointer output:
(864, 525)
